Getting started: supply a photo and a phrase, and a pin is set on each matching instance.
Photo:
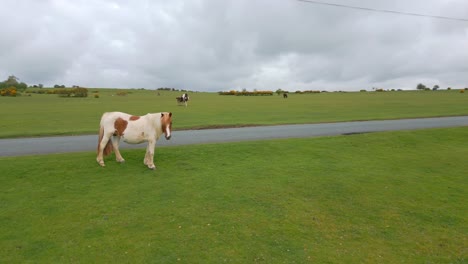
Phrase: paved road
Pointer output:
(48, 145)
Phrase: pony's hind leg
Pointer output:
(102, 145)
(115, 144)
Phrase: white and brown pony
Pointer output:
(183, 99)
(134, 130)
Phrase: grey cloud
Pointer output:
(220, 45)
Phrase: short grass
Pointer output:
(41, 115)
(393, 197)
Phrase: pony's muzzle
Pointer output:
(168, 137)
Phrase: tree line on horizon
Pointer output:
(12, 86)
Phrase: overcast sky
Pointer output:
(214, 45)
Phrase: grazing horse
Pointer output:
(285, 95)
(183, 99)
(134, 130)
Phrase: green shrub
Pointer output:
(72, 92)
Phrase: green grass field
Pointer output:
(396, 197)
(40, 115)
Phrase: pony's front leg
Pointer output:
(146, 160)
(149, 156)
(115, 144)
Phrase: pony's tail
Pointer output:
(108, 148)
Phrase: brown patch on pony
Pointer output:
(120, 125)
(133, 118)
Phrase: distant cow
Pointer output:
(183, 99)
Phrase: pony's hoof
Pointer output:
(121, 161)
(101, 163)
(151, 167)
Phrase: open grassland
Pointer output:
(40, 115)
(395, 197)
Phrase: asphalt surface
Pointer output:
(65, 144)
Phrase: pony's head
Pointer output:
(166, 124)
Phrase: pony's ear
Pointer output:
(170, 114)
(162, 115)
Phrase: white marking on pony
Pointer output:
(117, 125)
(168, 132)
(166, 120)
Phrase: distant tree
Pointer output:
(12, 81)
(421, 87)
(279, 91)
(435, 88)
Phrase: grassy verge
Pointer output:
(41, 115)
(396, 197)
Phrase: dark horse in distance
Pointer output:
(183, 99)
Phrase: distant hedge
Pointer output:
(246, 93)
(72, 92)
(62, 92)
(307, 92)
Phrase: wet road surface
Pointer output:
(64, 144)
